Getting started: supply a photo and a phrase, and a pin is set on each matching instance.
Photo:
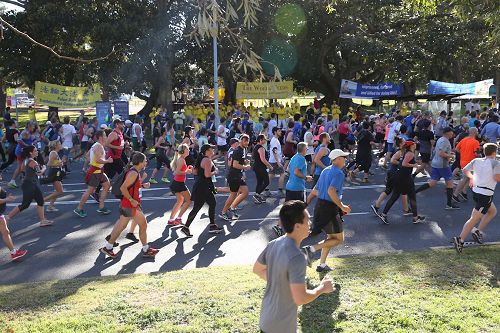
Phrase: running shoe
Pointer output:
(131, 236)
(104, 211)
(375, 210)
(267, 194)
(185, 231)
(478, 236)
(153, 181)
(52, 209)
(215, 229)
(456, 199)
(95, 196)
(80, 212)
(115, 244)
(458, 244)
(46, 223)
(150, 253)
(407, 212)
(278, 230)
(463, 196)
(171, 222)
(323, 269)
(107, 252)
(309, 255)
(236, 208)
(257, 200)
(165, 180)
(226, 216)
(453, 206)
(419, 219)
(234, 213)
(12, 184)
(178, 220)
(383, 218)
(18, 255)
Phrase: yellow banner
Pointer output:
(264, 90)
(11, 92)
(66, 97)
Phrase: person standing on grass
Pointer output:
(130, 208)
(484, 174)
(260, 167)
(95, 176)
(15, 254)
(441, 167)
(329, 209)
(31, 186)
(237, 186)
(283, 266)
(178, 186)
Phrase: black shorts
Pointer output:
(178, 187)
(235, 184)
(309, 158)
(426, 157)
(295, 195)
(482, 202)
(327, 218)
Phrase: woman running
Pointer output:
(161, 146)
(54, 174)
(260, 167)
(203, 190)
(25, 139)
(178, 186)
(190, 140)
(404, 183)
(4, 229)
(130, 208)
(31, 186)
(363, 159)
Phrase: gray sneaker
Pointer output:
(226, 216)
(80, 212)
(458, 244)
(104, 211)
(478, 236)
(234, 214)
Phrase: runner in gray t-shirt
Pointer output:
(283, 265)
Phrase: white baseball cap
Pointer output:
(337, 153)
(128, 122)
(48, 123)
(104, 126)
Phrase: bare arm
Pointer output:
(260, 270)
(262, 155)
(207, 166)
(112, 137)
(319, 156)
(406, 161)
(311, 196)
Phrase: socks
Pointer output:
(14, 250)
(322, 265)
(449, 195)
(423, 188)
(312, 248)
(109, 246)
(145, 248)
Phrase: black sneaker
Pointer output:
(455, 199)
(95, 196)
(309, 255)
(383, 218)
(451, 207)
(132, 237)
(185, 231)
(419, 219)
(459, 245)
(278, 231)
(215, 229)
(375, 209)
(478, 236)
(407, 212)
(323, 269)
(463, 196)
(115, 244)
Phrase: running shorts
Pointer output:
(482, 202)
(327, 218)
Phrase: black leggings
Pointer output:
(199, 201)
(2, 152)
(11, 159)
(31, 191)
(262, 180)
(409, 190)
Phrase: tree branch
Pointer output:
(19, 3)
(51, 50)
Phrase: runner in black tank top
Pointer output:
(260, 168)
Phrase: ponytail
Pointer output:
(173, 164)
(180, 150)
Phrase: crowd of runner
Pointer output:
(317, 149)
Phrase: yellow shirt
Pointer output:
(351, 114)
(295, 108)
(335, 111)
(324, 111)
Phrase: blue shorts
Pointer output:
(438, 173)
(389, 147)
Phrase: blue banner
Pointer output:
(351, 89)
(103, 112)
(121, 109)
(476, 88)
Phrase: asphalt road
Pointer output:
(69, 248)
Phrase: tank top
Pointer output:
(170, 137)
(405, 172)
(93, 161)
(182, 178)
(116, 153)
(30, 175)
(57, 161)
(204, 182)
(133, 191)
(257, 162)
(325, 160)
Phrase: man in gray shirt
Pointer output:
(283, 265)
(441, 167)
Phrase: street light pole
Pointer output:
(216, 84)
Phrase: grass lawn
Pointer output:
(429, 291)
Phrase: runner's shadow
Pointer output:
(180, 259)
(319, 315)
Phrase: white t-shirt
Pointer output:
(67, 135)
(395, 126)
(484, 171)
(222, 141)
(272, 124)
(275, 143)
(468, 106)
(134, 135)
(309, 139)
(476, 107)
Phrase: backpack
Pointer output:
(118, 182)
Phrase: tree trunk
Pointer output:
(229, 84)
(3, 96)
(165, 75)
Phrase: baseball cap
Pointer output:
(117, 120)
(206, 147)
(233, 141)
(337, 153)
(104, 126)
(410, 142)
(128, 122)
(48, 123)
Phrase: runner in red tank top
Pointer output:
(115, 144)
(130, 208)
(178, 186)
